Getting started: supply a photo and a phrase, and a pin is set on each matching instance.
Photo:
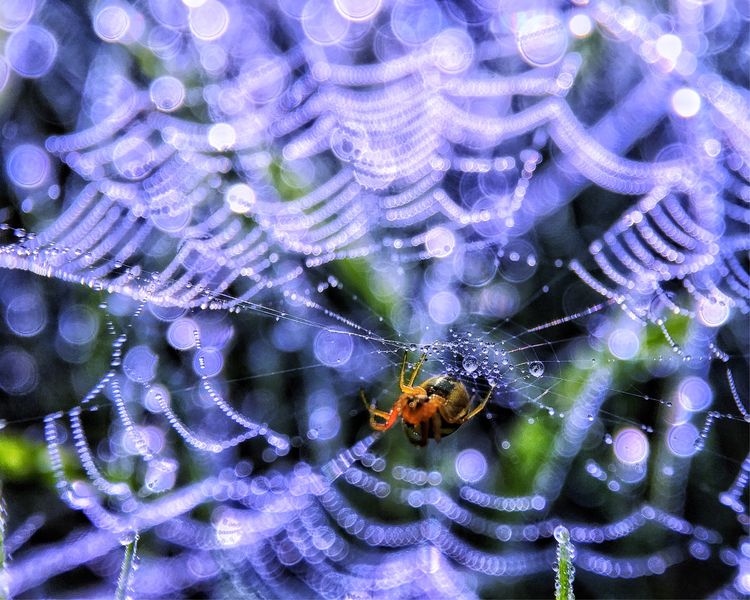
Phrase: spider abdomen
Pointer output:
(454, 403)
(456, 398)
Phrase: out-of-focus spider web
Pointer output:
(271, 205)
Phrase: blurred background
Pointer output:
(223, 221)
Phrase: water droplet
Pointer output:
(470, 363)
(561, 534)
(536, 368)
(128, 537)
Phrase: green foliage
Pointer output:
(654, 341)
(127, 568)
(531, 440)
(369, 285)
(22, 459)
(565, 570)
(286, 182)
(3, 576)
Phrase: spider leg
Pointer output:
(382, 426)
(372, 409)
(436, 422)
(461, 420)
(390, 417)
(403, 368)
(479, 408)
(424, 432)
(409, 389)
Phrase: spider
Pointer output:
(433, 409)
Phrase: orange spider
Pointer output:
(433, 409)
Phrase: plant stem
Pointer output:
(565, 568)
(4, 592)
(127, 568)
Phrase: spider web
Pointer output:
(271, 207)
